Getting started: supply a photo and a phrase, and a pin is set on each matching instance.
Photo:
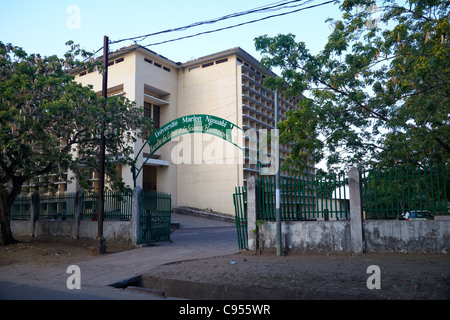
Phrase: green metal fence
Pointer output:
(301, 199)
(154, 217)
(305, 198)
(240, 207)
(388, 193)
(20, 209)
(56, 207)
(117, 205)
(49, 207)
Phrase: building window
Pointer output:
(221, 61)
(209, 64)
(147, 110)
(152, 111)
(156, 119)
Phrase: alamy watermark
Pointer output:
(374, 21)
(73, 22)
(232, 147)
(74, 280)
(374, 280)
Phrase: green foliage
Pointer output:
(50, 124)
(379, 90)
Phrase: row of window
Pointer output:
(110, 63)
(157, 64)
(208, 64)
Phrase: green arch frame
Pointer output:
(196, 123)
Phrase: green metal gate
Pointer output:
(240, 207)
(154, 217)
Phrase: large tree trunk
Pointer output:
(5, 224)
(6, 202)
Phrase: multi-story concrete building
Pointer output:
(227, 84)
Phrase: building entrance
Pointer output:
(149, 178)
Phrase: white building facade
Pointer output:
(199, 171)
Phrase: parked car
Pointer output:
(417, 215)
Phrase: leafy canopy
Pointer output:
(50, 124)
(378, 91)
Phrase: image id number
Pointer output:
(246, 309)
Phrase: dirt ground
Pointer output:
(307, 276)
(44, 251)
(338, 276)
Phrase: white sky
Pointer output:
(41, 26)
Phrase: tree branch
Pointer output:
(443, 144)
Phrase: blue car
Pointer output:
(417, 215)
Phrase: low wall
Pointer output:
(307, 236)
(407, 236)
(382, 236)
(112, 230)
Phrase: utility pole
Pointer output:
(277, 183)
(101, 181)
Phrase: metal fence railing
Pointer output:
(20, 209)
(305, 198)
(49, 207)
(240, 207)
(56, 207)
(391, 193)
(154, 217)
(117, 205)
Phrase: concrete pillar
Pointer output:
(34, 212)
(356, 229)
(136, 209)
(252, 212)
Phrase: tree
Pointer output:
(50, 124)
(378, 91)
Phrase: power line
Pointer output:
(241, 24)
(270, 7)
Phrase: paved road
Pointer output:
(197, 238)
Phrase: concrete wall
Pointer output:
(407, 236)
(112, 230)
(396, 236)
(309, 236)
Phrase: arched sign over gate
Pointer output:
(197, 123)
